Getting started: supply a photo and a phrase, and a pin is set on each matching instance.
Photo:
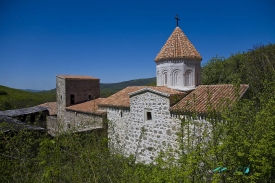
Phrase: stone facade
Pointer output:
(118, 120)
(72, 90)
(52, 125)
(79, 121)
(179, 74)
(61, 99)
(145, 129)
(82, 89)
(150, 128)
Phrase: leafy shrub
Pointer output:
(3, 92)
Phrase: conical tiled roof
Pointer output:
(178, 46)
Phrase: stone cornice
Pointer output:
(177, 61)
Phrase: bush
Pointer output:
(3, 92)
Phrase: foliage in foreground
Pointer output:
(241, 137)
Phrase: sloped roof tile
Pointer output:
(178, 46)
(122, 98)
(88, 107)
(205, 96)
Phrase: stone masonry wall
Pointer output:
(118, 119)
(194, 130)
(83, 90)
(52, 125)
(146, 138)
(61, 99)
(176, 70)
(82, 121)
(131, 133)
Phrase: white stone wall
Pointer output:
(77, 121)
(174, 74)
(146, 138)
(193, 131)
(131, 133)
(118, 120)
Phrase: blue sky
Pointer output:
(118, 40)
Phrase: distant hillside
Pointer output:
(107, 89)
(14, 98)
(31, 90)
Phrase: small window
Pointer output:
(121, 114)
(165, 78)
(72, 99)
(148, 115)
(69, 125)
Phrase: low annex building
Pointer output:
(142, 120)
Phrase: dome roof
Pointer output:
(178, 46)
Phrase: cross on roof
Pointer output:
(177, 19)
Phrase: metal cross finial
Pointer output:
(177, 19)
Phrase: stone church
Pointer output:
(142, 120)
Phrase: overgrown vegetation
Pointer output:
(254, 67)
(238, 143)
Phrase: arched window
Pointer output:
(188, 78)
(165, 78)
(158, 78)
(72, 99)
(175, 78)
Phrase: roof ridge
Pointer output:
(67, 76)
(220, 85)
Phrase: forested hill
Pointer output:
(11, 98)
(107, 89)
(254, 67)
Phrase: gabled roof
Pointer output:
(88, 107)
(76, 77)
(205, 96)
(178, 46)
(122, 98)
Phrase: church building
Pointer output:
(142, 120)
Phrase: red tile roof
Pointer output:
(88, 107)
(51, 106)
(76, 77)
(205, 96)
(178, 46)
(122, 98)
